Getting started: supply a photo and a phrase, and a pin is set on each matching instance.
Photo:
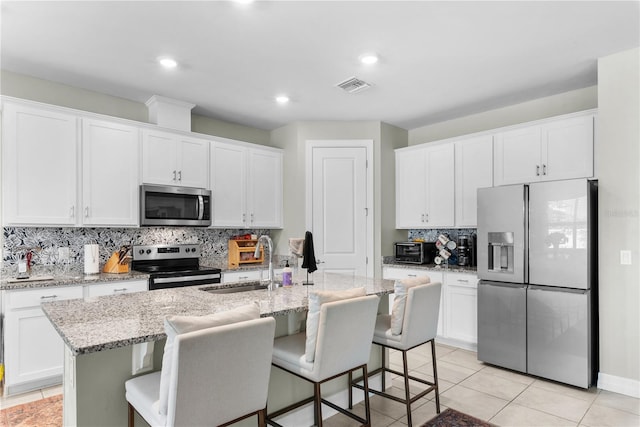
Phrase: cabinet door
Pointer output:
(264, 189)
(410, 188)
(159, 158)
(194, 162)
(517, 156)
(440, 186)
(473, 169)
(39, 157)
(228, 184)
(33, 348)
(461, 307)
(110, 174)
(567, 149)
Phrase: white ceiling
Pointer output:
(438, 60)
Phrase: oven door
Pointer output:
(175, 206)
(182, 279)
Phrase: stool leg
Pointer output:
(317, 405)
(130, 419)
(262, 418)
(367, 407)
(350, 390)
(435, 374)
(384, 372)
(406, 386)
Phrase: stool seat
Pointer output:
(342, 345)
(419, 326)
(216, 376)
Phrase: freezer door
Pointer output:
(559, 234)
(502, 330)
(501, 233)
(559, 335)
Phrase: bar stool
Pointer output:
(344, 338)
(419, 325)
(217, 376)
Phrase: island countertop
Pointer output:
(102, 323)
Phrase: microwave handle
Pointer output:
(200, 207)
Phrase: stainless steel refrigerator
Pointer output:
(537, 297)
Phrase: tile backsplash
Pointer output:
(431, 235)
(213, 241)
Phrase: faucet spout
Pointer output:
(257, 254)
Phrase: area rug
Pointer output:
(452, 418)
(40, 413)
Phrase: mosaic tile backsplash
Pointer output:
(431, 235)
(16, 239)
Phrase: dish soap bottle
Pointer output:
(286, 275)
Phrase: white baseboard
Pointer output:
(303, 416)
(620, 385)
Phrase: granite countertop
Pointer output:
(67, 278)
(391, 262)
(101, 323)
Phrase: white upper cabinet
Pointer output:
(173, 159)
(264, 188)
(558, 149)
(39, 162)
(473, 170)
(425, 186)
(110, 173)
(246, 182)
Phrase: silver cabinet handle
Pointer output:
(251, 217)
(243, 277)
(544, 169)
(537, 170)
(115, 291)
(86, 212)
(422, 218)
(180, 176)
(427, 216)
(72, 212)
(49, 297)
(412, 275)
(244, 218)
(463, 280)
(174, 175)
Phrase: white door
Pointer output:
(340, 197)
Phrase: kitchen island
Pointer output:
(107, 337)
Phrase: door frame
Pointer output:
(310, 144)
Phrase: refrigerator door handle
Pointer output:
(556, 289)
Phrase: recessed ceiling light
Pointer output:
(368, 58)
(168, 62)
(282, 99)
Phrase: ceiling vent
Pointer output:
(353, 85)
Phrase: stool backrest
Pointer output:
(220, 373)
(345, 334)
(420, 322)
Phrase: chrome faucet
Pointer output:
(257, 255)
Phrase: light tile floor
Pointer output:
(502, 397)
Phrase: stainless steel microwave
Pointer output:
(175, 206)
(415, 252)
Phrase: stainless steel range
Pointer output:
(173, 266)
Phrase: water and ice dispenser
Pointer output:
(500, 252)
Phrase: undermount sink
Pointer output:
(253, 286)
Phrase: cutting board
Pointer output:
(31, 279)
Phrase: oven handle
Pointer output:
(186, 278)
(200, 207)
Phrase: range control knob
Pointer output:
(148, 251)
(141, 251)
(193, 249)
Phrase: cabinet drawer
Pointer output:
(241, 276)
(115, 288)
(34, 297)
(393, 273)
(462, 279)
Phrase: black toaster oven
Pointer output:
(415, 252)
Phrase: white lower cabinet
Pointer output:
(457, 320)
(33, 348)
(461, 296)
